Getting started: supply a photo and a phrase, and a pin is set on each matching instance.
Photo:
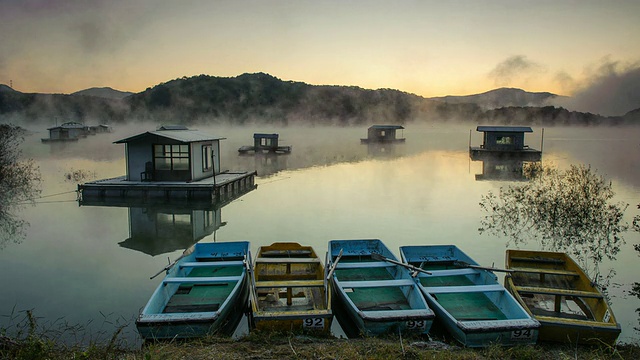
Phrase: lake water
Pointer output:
(84, 270)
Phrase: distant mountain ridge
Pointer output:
(263, 98)
(501, 97)
(103, 92)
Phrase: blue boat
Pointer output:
(204, 292)
(467, 298)
(378, 296)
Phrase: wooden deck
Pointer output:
(224, 186)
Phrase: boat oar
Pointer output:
(467, 265)
(333, 266)
(186, 252)
(408, 266)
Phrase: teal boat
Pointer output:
(467, 298)
(204, 292)
(378, 296)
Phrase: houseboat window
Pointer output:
(171, 157)
(504, 140)
(207, 158)
(383, 133)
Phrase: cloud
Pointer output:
(611, 88)
(514, 68)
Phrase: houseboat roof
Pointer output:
(518, 129)
(267, 136)
(386, 127)
(185, 136)
(69, 125)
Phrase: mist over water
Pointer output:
(72, 266)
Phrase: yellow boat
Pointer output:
(289, 291)
(558, 293)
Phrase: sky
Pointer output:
(429, 48)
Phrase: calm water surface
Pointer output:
(89, 266)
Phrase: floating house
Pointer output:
(265, 143)
(69, 131)
(505, 142)
(171, 163)
(383, 134)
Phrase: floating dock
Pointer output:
(214, 189)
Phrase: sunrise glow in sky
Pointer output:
(430, 48)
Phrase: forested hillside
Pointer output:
(262, 98)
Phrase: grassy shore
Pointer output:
(288, 346)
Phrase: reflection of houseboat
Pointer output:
(265, 143)
(172, 162)
(504, 141)
(382, 134)
(69, 131)
(502, 169)
(159, 230)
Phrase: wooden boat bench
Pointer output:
(377, 283)
(201, 280)
(289, 283)
(210, 264)
(288, 260)
(543, 272)
(558, 292)
(369, 264)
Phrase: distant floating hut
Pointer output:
(504, 141)
(265, 143)
(383, 134)
(172, 162)
(69, 131)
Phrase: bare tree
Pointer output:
(19, 183)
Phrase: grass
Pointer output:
(262, 345)
(34, 342)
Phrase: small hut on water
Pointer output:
(383, 134)
(504, 141)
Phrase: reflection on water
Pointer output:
(156, 231)
(329, 187)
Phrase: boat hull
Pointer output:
(378, 297)
(205, 292)
(469, 303)
(557, 292)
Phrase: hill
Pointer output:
(103, 92)
(501, 97)
(263, 98)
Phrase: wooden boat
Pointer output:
(468, 300)
(289, 291)
(378, 296)
(558, 293)
(204, 292)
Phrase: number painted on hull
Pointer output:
(522, 334)
(416, 325)
(313, 323)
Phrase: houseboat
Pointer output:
(171, 163)
(265, 143)
(69, 131)
(504, 142)
(383, 134)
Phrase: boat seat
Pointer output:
(465, 289)
(289, 283)
(288, 260)
(545, 271)
(559, 292)
(201, 280)
(210, 263)
(538, 260)
(377, 283)
(368, 264)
